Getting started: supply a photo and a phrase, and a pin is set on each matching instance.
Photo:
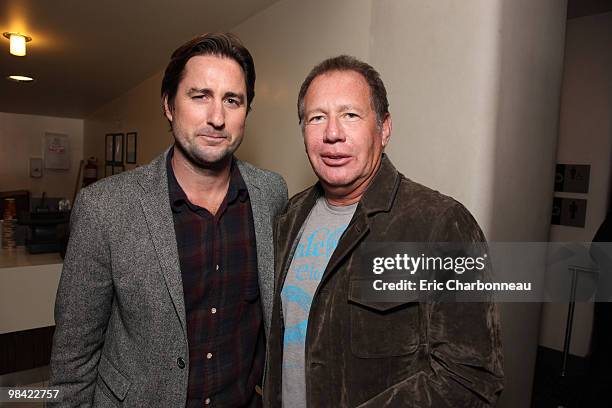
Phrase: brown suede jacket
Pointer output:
(362, 354)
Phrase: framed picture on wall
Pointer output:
(110, 140)
(130, 147)
(111, 169)
(114, 148)
(118, 148)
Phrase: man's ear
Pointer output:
(167, 109)
(386, 129)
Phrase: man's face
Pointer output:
(209, 110)
(343, 140)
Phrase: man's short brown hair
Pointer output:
(218, 44)
(378, 93)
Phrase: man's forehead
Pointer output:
(340, 76)
(215, 69)
(211, 59)
(343, 89)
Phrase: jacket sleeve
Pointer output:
(82, 306)
(465, 362)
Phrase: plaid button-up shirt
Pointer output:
(218, 261)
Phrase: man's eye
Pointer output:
(351, 115)
(198, 96)
(232, 101)
(316, 119)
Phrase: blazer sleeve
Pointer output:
(465, 361)
(82, 306)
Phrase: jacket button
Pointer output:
(180, 362)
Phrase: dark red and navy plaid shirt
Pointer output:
(224, 320)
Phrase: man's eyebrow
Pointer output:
(314, 110)
(341, 108)
(192, 91)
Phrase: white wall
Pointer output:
(439, 61)
(474, 91)
(585, 137)
(22, 137)
(531, 59)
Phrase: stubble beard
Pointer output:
(202, 160)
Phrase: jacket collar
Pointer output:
(378, 197)
(154, 177)
(154, 174)
(381, 192)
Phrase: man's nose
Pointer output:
(333, 131)
(216, 115)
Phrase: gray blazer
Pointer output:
(120, 335)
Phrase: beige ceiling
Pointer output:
(85, 53)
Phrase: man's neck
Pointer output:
(339, 200)
(205, 187)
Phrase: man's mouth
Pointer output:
(213, 137)
(335, 159)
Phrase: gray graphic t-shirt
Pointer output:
(322, 230)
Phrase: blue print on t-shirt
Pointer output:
(321, 243)
(309, 262)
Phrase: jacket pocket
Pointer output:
(116, 382)
(382, 329)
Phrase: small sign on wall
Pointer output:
(57, 151)
(36, 167)
(569, 211)
(572, 178)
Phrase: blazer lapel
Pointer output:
(160, 224)
(260, 207)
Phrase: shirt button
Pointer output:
(216, 267)
(207, 401)
(209, 355)
(213, 310)
(180, 362)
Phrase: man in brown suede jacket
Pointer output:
(329, 346)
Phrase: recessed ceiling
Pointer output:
(84, 54)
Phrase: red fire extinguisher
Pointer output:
(90, 175)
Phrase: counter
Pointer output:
(28, 284)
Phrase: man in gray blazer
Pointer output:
(165, 295)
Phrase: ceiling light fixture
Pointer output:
(20, 78)
(18, 43)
